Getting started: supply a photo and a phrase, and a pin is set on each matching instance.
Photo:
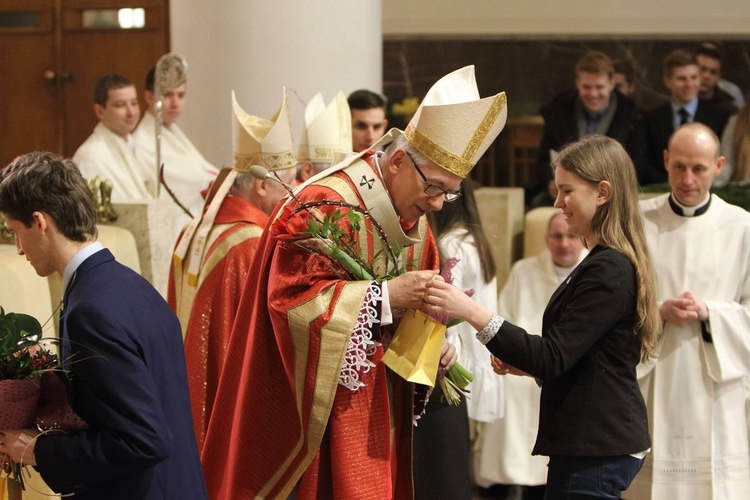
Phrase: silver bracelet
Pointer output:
(489, 331)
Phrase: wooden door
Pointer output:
(29, 118)
(91, 52)
(53, 51)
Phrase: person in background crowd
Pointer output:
(368, 118)
(593, 107)
(109, 152)
(207, 273)
(441, 439)
(682, 78)
(735, 147)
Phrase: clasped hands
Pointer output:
(684, 309)
(409, 290)
(442, 298)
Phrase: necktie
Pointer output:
(684, 115)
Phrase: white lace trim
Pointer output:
(361, 344)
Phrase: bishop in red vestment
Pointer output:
(304, 404)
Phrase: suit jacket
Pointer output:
(123, 348)
(561, 128)
(659, 126)
(591, 404)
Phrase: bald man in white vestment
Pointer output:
(695, 386)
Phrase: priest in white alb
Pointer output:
(695, 385)
(109, 152)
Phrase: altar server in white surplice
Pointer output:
(109, 152)
(502, 454)
(695, 386)
(186, 172)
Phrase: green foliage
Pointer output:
(21, 353)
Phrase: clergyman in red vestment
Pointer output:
(304, 404)
(213, 256)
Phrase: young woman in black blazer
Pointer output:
(597, 326)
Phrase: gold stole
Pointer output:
(184, 294)
(335, 335)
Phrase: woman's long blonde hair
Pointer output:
(741, 146)
(618, 223)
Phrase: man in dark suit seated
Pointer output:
(593, 107)
(709, 62)
(121, 346)
(682, 79)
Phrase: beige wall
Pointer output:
(255, 47)
(565, 17)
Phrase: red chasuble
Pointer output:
(281, 417)
(207, 310)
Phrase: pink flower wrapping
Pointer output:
(55, 411)
(18, 403)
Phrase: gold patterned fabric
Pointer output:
(206, 309)
(280, 405)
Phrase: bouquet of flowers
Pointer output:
(23, 359)
(457, 378)
(33, 392)
(306, 227)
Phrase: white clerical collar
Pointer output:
(83, 254)
(693, 211)
(376, 160)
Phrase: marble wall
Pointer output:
(531, 71)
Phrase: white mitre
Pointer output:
(257, 141)
(328, 130)
(453, 126)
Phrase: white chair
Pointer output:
(536, 223)
(23, 290)
(121, 243)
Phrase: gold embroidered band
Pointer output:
(439, 155)
(459, 165)
(272, 161)
(498, 104)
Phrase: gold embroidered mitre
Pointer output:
(257, 141)
(328, 130)
(453, 126)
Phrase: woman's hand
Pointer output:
(442, 298)
(501, 368)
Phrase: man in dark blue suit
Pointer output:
(682, 78)
(121, 345)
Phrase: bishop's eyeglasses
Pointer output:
(431, 189)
